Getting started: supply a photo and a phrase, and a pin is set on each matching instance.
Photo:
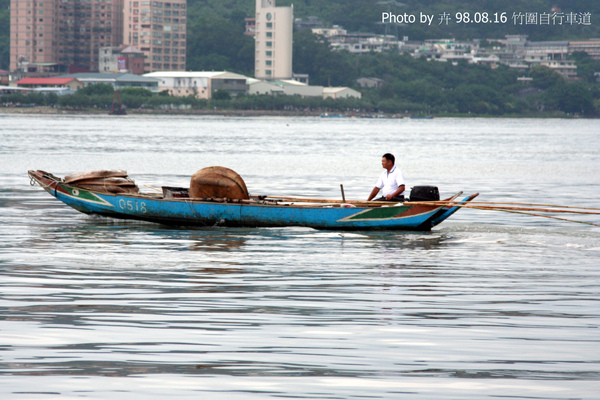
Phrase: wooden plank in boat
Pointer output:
(116, 181)
(110, 188)
(101, 173)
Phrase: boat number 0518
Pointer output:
(131, 205)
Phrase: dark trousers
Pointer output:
(396, 199)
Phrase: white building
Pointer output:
(330, 32)
(201, 84)
(340, 93)
(121, 59)
(274, 33)
(364, 42)
(291, 87)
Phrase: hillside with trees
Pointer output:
(215, 27)
(411, 85)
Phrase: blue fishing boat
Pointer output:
(117, 197)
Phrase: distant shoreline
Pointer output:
(60, 111)
(268, 113)
(233, 113)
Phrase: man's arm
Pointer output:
(373, 193)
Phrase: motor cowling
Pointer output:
(424, 193)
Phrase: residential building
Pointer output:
(536, 52)
(516, 43)
(312, 22)
(49, 36)
(158, 29)
(370, 82)
(250, 26)
(363, 42)
(117, 80)
(591, 46)
(447, 50)
(522, 54)
(201, 84)
(33, 37)
(328, 33)
(273, 40)
(304, 78)
(58, 83)
(490, 59)
(121, 59)
(566, 68)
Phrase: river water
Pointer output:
(488, 305)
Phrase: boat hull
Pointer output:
(251, 213)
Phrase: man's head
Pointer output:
(387, 161)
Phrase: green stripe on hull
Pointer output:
(84, 195)
(379, 213)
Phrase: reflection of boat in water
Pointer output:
(119, 198)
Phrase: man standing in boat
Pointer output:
(391, 181)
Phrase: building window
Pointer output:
(269, 34)
(269, 44)
(269, 53)
(269, 63)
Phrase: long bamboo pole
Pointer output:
(528, 204)
(518, 210)
(498, 208)
(550, 216)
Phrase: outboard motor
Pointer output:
(424, 193)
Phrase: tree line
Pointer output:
(410, 86)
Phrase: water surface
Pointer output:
(488, 305)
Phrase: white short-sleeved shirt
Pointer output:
(389, 182)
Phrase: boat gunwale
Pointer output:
(265, 201)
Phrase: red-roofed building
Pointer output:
(69, 83)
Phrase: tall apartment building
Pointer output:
(158, 29)
(273, 41)
(32, 34)
(63, 35)
(49, 36)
